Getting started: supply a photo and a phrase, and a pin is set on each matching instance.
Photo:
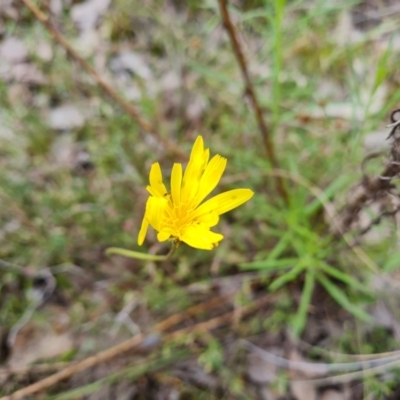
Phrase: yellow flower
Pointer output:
(181, 215)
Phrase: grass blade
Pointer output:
(301, 316)
(288, 277)
(345, 278)
(270, 264)
(343, 300)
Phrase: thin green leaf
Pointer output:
(281, 246)
(257, 13)
(382, 69)
(288, 277)
(392, 263)
(270, 264)
(329, 192)
(301, 316)
(345, 278)
(343, 300)
(211, 73)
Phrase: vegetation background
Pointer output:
(300, 300)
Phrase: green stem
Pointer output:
(141, 256)
(301, 316)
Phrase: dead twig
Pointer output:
(33, 369)
(75, 368)
(142, 339)
(378, 219)
(347, 371)
(128, 108)
(373, 188)
(262, 125)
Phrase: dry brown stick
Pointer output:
(75, 368)
(262, 125)
(372, 188)
(217, 322)
(113, 351)
(129, 345)
(196, 309)
(128, 108)
(33, 369)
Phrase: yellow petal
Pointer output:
(198, 148)
(191, 177)
(155, 210)
(176, 181)
(210, 178)
(163, 235)
(206, 157)
(201, 237)
(224, 202)
(156, 180)
(152, 191)
(209, 219)
(143, 230)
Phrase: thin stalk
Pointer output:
(250, 92)
(141, 256)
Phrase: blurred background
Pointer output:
(78, 133)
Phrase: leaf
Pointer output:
(288, 277)
(345, 278)
(343, 300)
(257, 13)
(382, 69)
(270, 264)
(281, 246)
(301, 316)
(211, 73)
(329, 192)
(392, 263)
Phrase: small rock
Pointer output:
(267, 393)
(28, 73)
(34, 343)
(303, 390)
(17, 93)
(8, 10)
(56, 7)
(260, 371)
(132, 92)
(195, 109)
(383, 316)
(128, 61)
(345, 31)
(44, 51)
(13, 50)
(332, 394)
(85, 15)
(87, 43)
(171, 82)
(65, 117)
(376, 141)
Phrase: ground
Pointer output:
(300, 299)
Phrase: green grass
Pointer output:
(53, 213)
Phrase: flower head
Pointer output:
(181, 215)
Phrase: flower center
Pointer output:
(177, 217)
